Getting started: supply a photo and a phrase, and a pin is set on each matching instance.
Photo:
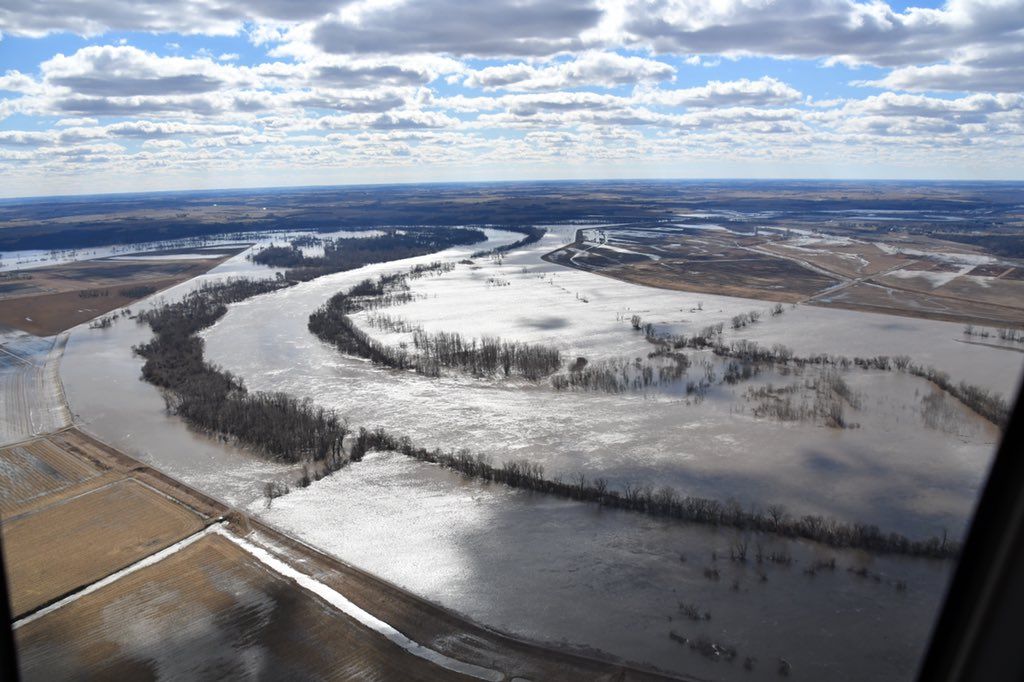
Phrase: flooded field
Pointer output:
(894, 471)
(31, 400)
(564, 572)
(583, 577)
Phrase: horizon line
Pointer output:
(537, 181)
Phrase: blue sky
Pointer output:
(146, 95)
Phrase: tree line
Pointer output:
(533, 235)
(988, 404)
(215, 401)
(347, 254)
(621, 375)
(1002, 333)
(484, 357)
(433, 352)
(664, 502)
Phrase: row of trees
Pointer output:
(1002, 333)
(483, 357)
(214, 400)
(621, 375)
(348, 254)
(533, 234)
(332, 324)
(990, 405)
(663, 502)
(433, 352)
(138, 291)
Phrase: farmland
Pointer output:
(50, 299)
(160, 578)
(776, 414)
(98, 532)
(31, 396)
(216, 602)
(831, 266)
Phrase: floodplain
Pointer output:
(910, 275)
(158, 579)
(50, 299)
(830, 380)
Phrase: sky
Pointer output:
(140, 95)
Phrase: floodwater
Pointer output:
(37, 258)
(590, 578)
(108, 398)
(565, 572)
(893, 471)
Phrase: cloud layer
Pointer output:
(456, 89)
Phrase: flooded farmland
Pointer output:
(575, 574)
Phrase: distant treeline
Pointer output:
(533, 235)
(91, 221)
(664, 502)
(1006, 245)
(348, 254)
(433, 351)
(138, 291)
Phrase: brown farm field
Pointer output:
(119, 574)
(94, 534)
(915, 276)
(754, 277)
(871, 297)
(704, 264)
(36, 469)
(48, 300)
(210, 611)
